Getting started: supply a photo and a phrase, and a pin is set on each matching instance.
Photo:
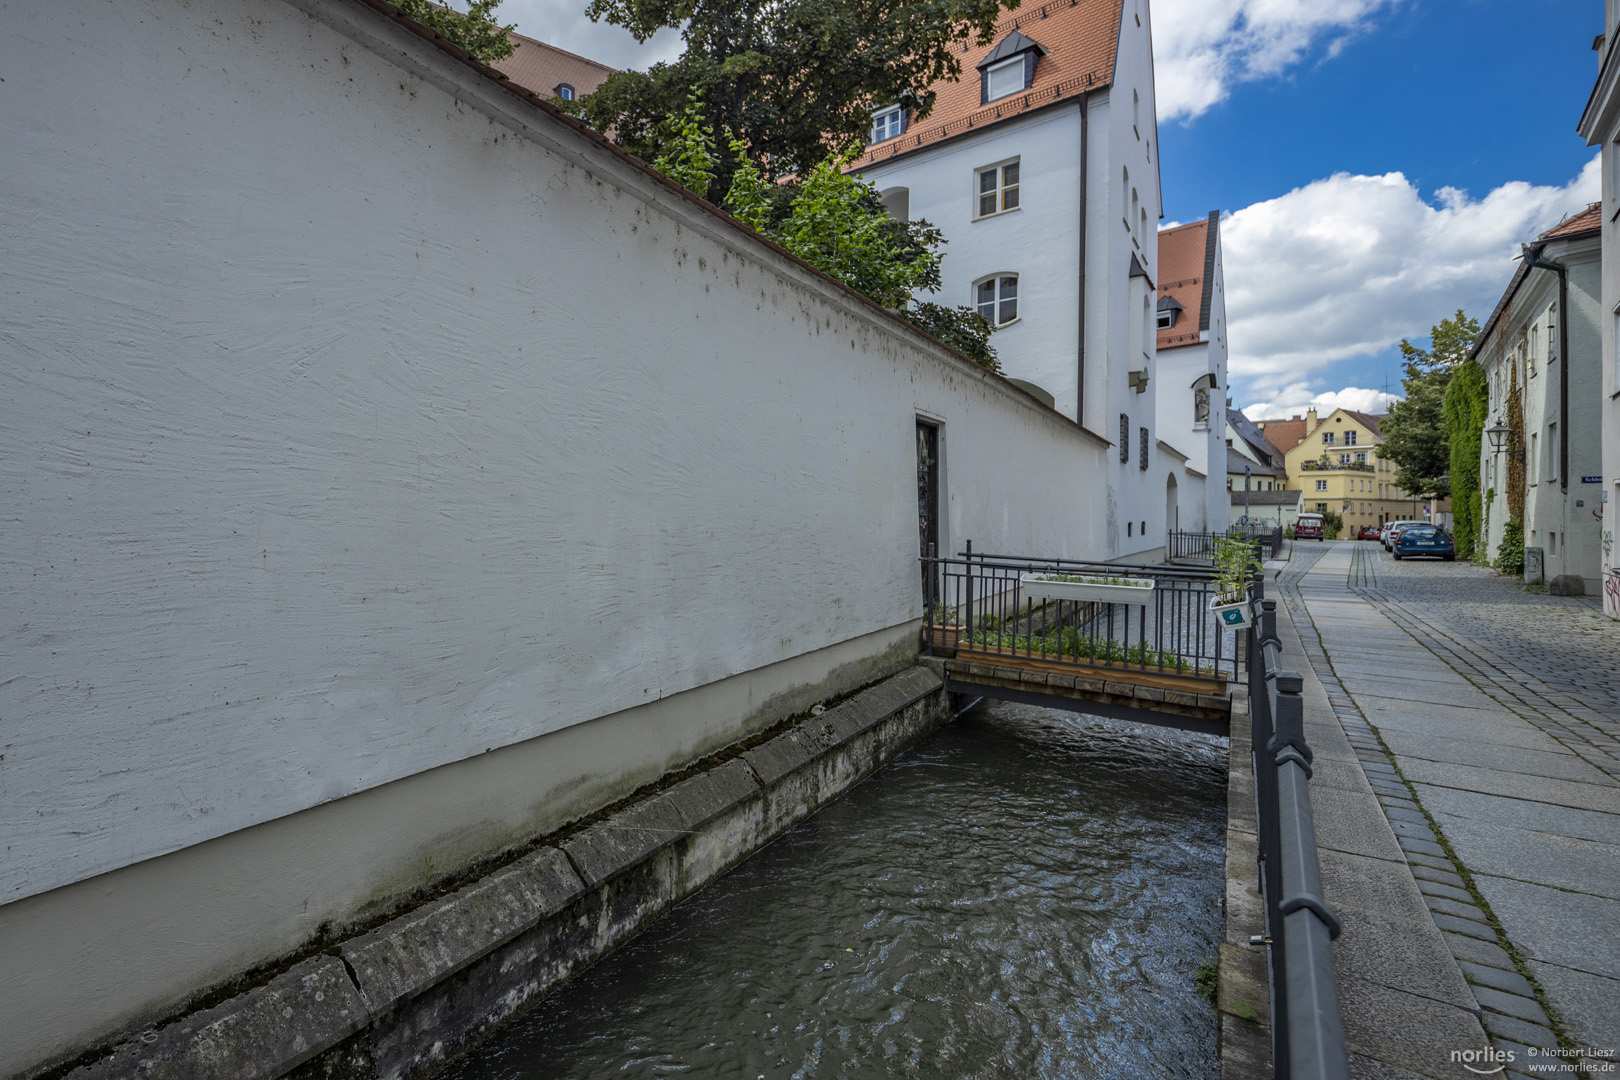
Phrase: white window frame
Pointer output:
(1016, 63)
(1321, 485)
(881, 121)
(1166, 319)
(998, 304)
(1002, 189)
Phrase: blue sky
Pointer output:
(1376, 163)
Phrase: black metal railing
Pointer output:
(1199, 547)
(978, 603)
(1307, 1030)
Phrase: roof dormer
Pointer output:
(1009, 69)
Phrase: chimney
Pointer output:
(1310, 419)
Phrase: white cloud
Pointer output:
(1347, 266)
(1295, 399)
(563, 23)
(1201, 48)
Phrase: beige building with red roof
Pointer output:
(1334, 460)
(549, 71)
(1040, 165)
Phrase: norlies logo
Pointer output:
(1491, 1061)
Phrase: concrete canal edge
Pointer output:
(401, 999)
(1243, 1000)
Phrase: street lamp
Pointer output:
(1498, 433)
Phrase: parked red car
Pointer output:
(1369, 532)
(1310, 527)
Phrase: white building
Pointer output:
(1041, 167)
(1191, 375)
(357, 548)
(1600, 126)
(1544, 340)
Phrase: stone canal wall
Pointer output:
(400, 999)
(397, 473)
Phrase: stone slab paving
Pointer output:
(1501, 788)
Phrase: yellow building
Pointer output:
(1334, 461)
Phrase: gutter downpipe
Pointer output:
(1532, 258)
(1080, 393)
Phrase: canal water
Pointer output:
(1025, 894)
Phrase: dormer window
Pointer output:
(888, 123)
(1009, 69)
(1169, 309)
(565, 92)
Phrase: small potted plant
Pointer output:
(1234, 564)
(945, 626)
(1102, 588)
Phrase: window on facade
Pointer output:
(1350, 438)
(1007, 77)
(1167, 319)
(1552, 453)
(1327, 438)
(998, 189)
(887, 123)
(1125, 202)
(1321, 485)
(1344, 459)
(1142, 462)
(565, 92)
(1136, 113)
(997, 299)
(1361, 457)
(1124, 438)
(1533, 459)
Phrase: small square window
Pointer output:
(1167, 319)
(1321, 485)
(1327, 438)
(887, 123)
(1350, 438)
(998, 189)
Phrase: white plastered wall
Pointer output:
(376, 437)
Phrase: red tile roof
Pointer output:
(1283, 434)
(1588, 220)
(1183, 259)
(542, 68)
(1080, 37)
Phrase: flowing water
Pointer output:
(1026, 894)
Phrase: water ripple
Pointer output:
(1024, 895)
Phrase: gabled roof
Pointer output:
(1366, 420)
(1283, 434)
(542, 68)
(1187, 277)
(1588, 220)
(1249, 433)
(1236, 463)
(1080, 39)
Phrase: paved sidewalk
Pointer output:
(1499, 791)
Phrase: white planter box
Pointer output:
(1235, 615)
(1036, 589)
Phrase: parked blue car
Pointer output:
(1425, 540)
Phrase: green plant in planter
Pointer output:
(1095, 579)
(1234, 565)
(943, 615)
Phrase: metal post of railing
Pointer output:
(967, 618)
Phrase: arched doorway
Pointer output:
(1172, 508)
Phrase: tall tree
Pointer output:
(476, 30)
(794, 80)
(1415, 433)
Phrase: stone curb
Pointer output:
(404, 997)
(264, 1032)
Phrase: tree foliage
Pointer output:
(792, 79)
(1415, 435)
(1466, 400)
(476, 30)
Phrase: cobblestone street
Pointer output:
(1484, 718)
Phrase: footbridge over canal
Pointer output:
(1138, 643)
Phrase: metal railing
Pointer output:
(978, 603)
(1200, 546)
(1307, 1030)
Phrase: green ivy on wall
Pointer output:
(1466, 401)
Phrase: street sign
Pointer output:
(1591, 479)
